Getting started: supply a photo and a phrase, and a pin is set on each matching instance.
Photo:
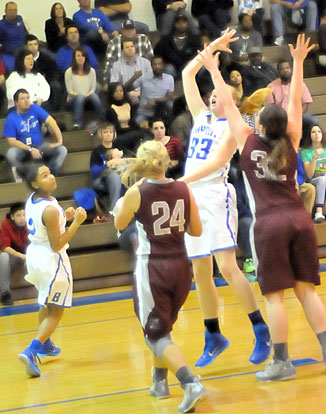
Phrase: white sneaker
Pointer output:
(193, 393)
(279, 41)
(319, 218)
(277, 371)
(160, 389)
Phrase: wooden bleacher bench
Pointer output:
(316, 86)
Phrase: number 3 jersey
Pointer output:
(162, 217)
(268, 193)
(204, 139)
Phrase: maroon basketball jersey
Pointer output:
(162, 217)
(267, 192)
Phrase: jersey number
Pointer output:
(263, 171)
(176, 220)
(200, 149)
(31, 227)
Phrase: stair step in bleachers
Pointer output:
(94, 235)
(322, 121)
(76, 162)
(316, 86)
(13, 192)
(64, 204)
(318, 105)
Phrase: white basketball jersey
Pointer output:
(34, 211)
(204, 139)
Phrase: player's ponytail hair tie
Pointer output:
(152, 160)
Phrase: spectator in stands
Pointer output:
(166, 12)
(235, 80)
(114, 50)
(244, 214)
(12, 35)
(248, 37)
(156, 93)
(56, 26)
(23, 132)
(182, 122)
(255, 10)
(46, 66)
(172, 144)
(2, 83)
(281, 94)
(213, 15)
(80, 81)
(284, 9)
(306, 190)
(95, 27)
(129, 68)
(13, 243)
(64, 55)
(120, 113)
(321, 53)
(178, 47)
(105, 181)
(314, 162)
(26, 76)
(258, 74)
(117, 11)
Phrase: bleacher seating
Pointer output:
(97, 261)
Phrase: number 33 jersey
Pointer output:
(204, 139)
(163, 217)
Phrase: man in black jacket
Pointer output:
(178, 47)
(258, 74)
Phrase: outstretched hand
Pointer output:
(222, 42)
(302, 47)
(210, 61)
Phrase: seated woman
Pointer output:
(80, 80)
(105, 181)
(173, 145)
(120, 114)
(235, 80)
(55, 27)
(314, 163)
(25, 76)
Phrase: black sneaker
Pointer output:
(6, 299)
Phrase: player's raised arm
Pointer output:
(239, 129)
(193, 98)
(299, 53)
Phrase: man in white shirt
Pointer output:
(129, 68)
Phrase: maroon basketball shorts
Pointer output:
(161, 287)
(285, 249)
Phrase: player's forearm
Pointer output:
(206, 169)
(65, 237)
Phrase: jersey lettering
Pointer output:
(263, 171)
(175, 220)
(56, 297)
(200, 149)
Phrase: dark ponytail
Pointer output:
(274, 119)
